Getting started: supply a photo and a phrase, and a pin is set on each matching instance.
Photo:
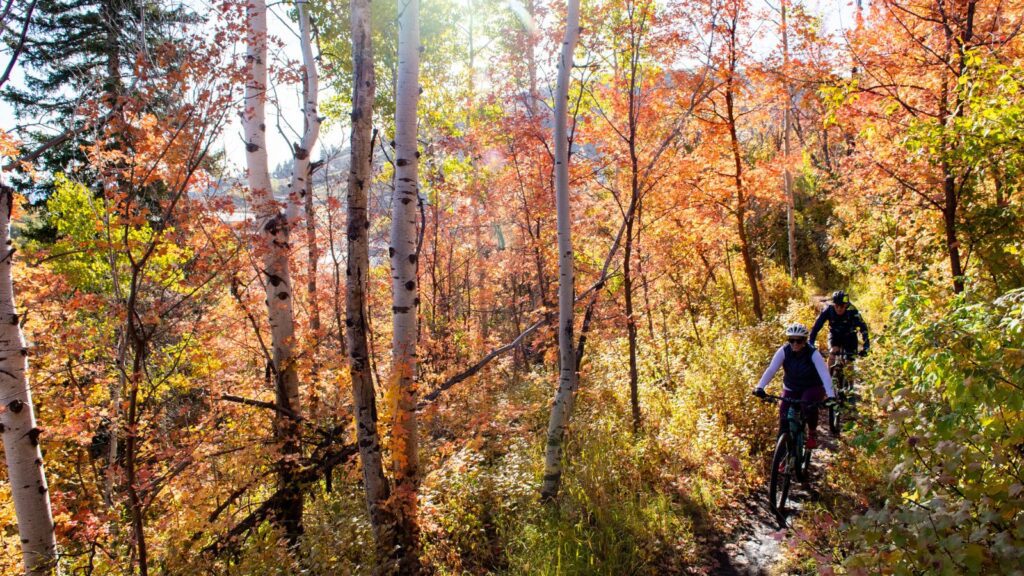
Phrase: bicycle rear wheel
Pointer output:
(778, 486)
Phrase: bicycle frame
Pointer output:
(795, 420)
(842, 359)
(843, 386)
(796, 458)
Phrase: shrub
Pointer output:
(955, 441)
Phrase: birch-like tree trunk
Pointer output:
(787, 176)
(364, 89)
(405, 290)
(562, 407)
(18, 422)
(272, 230)
(301, 186)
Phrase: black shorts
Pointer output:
(846, 342)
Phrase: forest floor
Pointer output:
(758, 542)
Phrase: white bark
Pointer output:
(300, 189)
(299, 185)
(272, 226)
(18, 422)
(405, 290)
(562, 407)
(273, 232)
(787, 177)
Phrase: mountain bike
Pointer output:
(791, 457)
(843, 386)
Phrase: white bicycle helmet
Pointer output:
(797, 330)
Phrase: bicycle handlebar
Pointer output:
(773, 398)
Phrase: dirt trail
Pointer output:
(760, 540)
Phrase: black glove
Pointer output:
(864, 351)
(760, 393)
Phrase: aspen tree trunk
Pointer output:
(858, 25)
(562, 407)
(749, 266)
(302, 176)
(405, 291)
(787, 177)
(364, 88)
(272, 226)
(18, 422)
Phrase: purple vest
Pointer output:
(799, 373)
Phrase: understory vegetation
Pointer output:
(500, 305)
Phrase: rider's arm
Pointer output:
(826, 378)
(817, 325)
(863, 327)
(769, 373)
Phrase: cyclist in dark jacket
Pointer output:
(844, 321)
(805, 376)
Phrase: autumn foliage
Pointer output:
(140, 278)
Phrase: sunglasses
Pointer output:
(798, 340)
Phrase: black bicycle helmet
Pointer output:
(840, 297)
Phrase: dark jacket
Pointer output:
(840, 327)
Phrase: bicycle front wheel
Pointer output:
(834, 423)
(778, 486)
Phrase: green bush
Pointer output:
(954, 404)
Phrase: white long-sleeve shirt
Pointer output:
(780, 356)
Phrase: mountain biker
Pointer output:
(844, 320)
(805, 376)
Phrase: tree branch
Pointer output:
(21, 43)
(261, 404)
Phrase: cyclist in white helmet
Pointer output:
(805, 377)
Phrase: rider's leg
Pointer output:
(848, 345)
(816, 394)
(833, 353)
(784, 409)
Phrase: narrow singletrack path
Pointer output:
(759, 542)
